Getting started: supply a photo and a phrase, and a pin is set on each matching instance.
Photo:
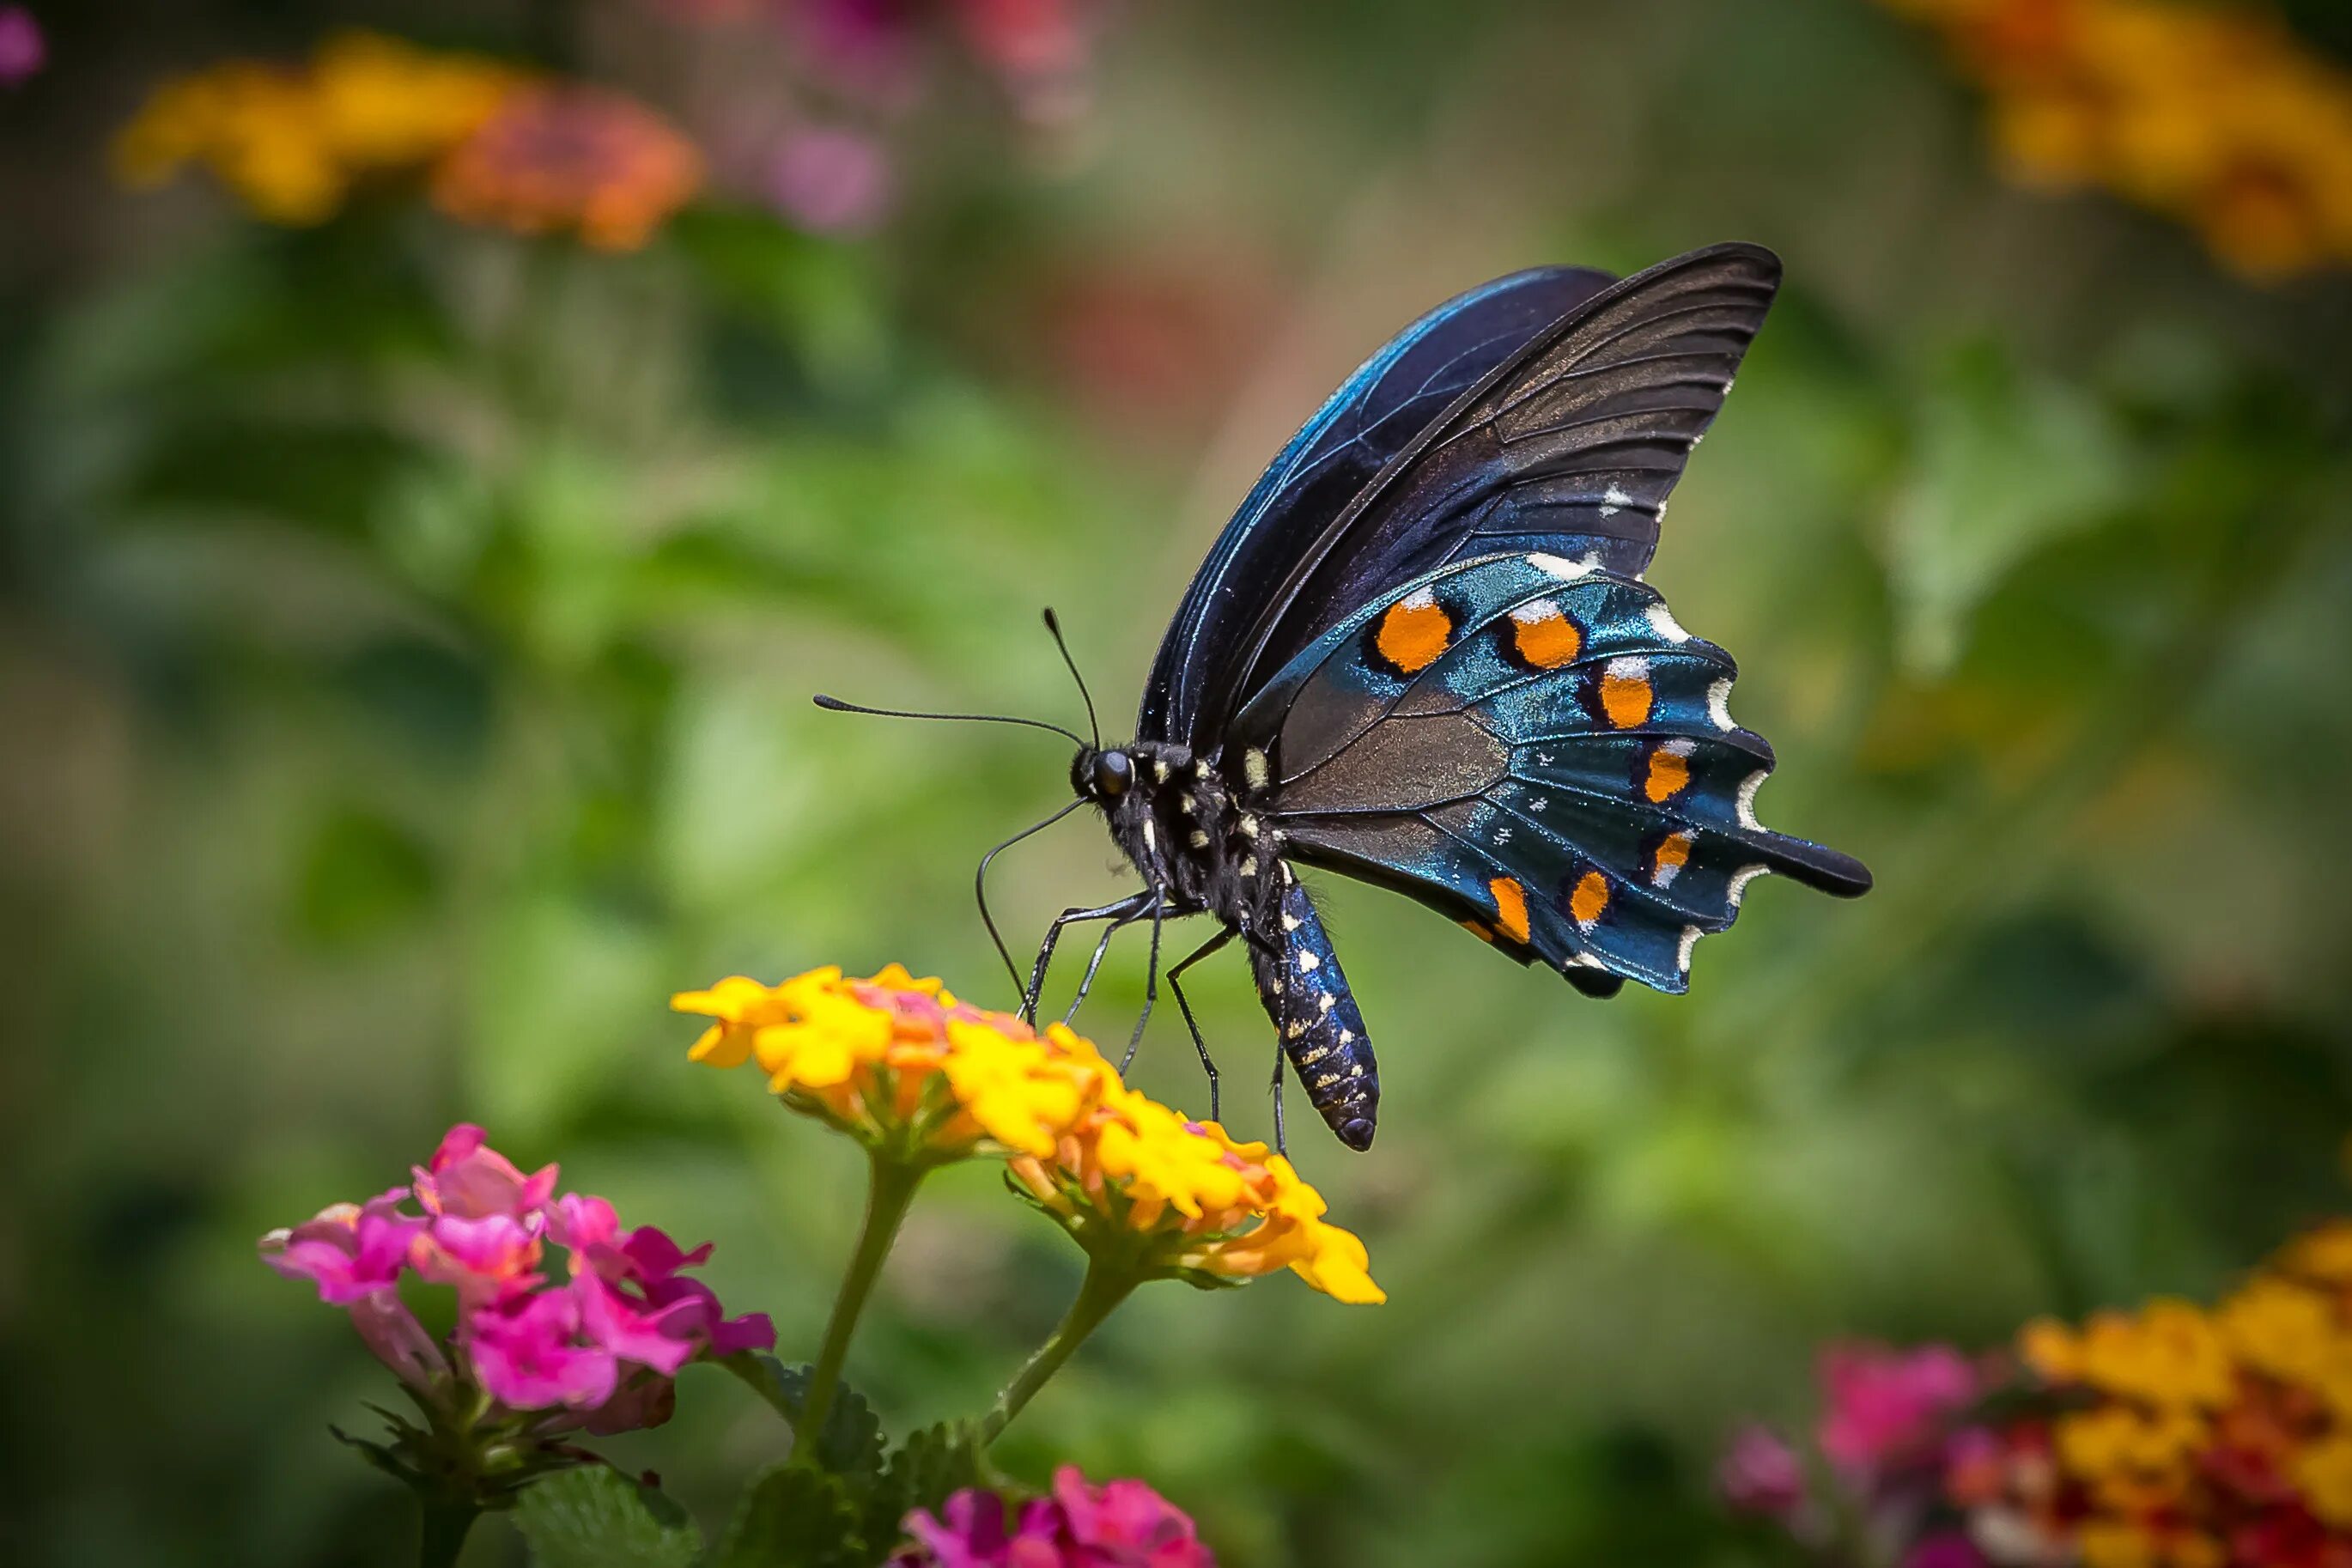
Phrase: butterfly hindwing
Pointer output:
(1535, 746)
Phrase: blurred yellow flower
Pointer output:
(2169, 1353)
(899, 1063)
(2324, 1471)
(501, 146)
(2211, 114)
(1170, 1197)
(291, 141)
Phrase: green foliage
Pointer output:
(405, 640)
(795, 1518)
(596, 1517)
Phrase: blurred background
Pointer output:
(439, 463)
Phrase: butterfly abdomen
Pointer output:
(1306, 995)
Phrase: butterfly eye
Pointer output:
(1114, 772)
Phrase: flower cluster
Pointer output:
(2174, 1435)
(571, 159)
(499, 145)
(2213, 115)
(1134, 1179)
(597, 1350)
(1125, 1524)
(908, 1070)
(899, 1064)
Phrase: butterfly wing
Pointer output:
(1567, 445)
(1391, 399)
(1534, 746)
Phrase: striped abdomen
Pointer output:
(1298, 980)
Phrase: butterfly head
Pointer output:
(1102, 775)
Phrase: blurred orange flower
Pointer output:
(558, 159)
(2214, 115)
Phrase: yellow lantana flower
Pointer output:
(901, 1065)
(1167, 1197)
(2169, 1354)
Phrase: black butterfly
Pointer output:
(1422, 654)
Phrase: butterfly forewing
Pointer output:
(1395, 396)
(1568, 446)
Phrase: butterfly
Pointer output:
(1421, 655)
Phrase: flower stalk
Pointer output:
(1099, 1294)
(891, 1189)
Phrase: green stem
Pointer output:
(442, 1531)
(1100, 1294)
(888, 1194)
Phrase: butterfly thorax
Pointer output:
(1194, 832)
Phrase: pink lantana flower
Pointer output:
(1124, 1524)
(530, 1354)
(1885, 1406)
(1759, 1474)
(348, 1250)
(469, 1179)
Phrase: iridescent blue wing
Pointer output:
(1567, 444)
(1391, 398)
(1532, 745)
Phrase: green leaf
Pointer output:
(598, 1517)
(851, 1444)
(921, 1473)
(2006, 463)
(793, 1517)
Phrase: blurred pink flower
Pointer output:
(1885, 1406)
(469, 1178)
(390, 1330)
(23, 51)
(831, 180)
(528, 1355)
(1945, 1548)
(1759, 1474)
(347, 1250)
(1124, 1524)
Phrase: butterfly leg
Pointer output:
(1134, 903)
(1151, 984)
(1281, 1143)
(1117, 924)
(1175, 983)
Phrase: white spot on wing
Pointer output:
(1308, 963)
(1586, 960)
(1683, 954)
(1740, 881)
(1256, 769)
(1718, 704)
(1662, 622)
(1747, 788)
(1324, 1003)
(1680, 746)
(1347, 1037)
(1534, 612)
(1421, 598)
(1614, 500)
(1559, 566)
(1289, 922)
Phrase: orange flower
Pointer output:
(571, 158)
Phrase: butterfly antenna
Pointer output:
(980, 889)
(836, 705)
(1054, 626)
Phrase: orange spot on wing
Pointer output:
(1591, 897)
(1478, 930)
(1543, 636)
(1510, 907)
(1626, 692)
(1413, 632)
(1669, 774)
(1673, 853)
